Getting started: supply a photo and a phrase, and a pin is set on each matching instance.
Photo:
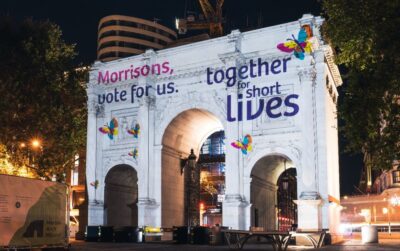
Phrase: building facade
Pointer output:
(381, 210)
(273, 93)
(124, 36)
(389, 179)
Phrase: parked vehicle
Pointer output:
(33, 214)
(73, 226)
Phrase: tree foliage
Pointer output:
(365, 35)
(42, 96)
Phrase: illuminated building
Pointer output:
(389, 179)
(382, 210)
(382, 207)
(77, 197)
(277, 111)
(124, 36)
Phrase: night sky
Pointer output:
(79, 19)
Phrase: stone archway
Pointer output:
(120, 196)
(266, 175)
(188, 130)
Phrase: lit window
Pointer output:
(75, 172)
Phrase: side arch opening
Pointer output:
(121, 196)
(273, 190)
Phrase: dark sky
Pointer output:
(79, 19)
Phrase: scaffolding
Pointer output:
(212, 177)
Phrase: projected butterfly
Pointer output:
(95, 184)
(111, 129)
(298, 46)
(244, 145)
(135, 131)
(134, 153)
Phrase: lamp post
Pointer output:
(36, 146)
(35, 143)
(390, 227)
(285, 186)
(388, 213)
(192, 190)
(285, 178)
(394, 201)
(29, 149)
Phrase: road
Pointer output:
(351, 245)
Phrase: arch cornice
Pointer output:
(212, 104)
(110, 163)
(291, 152)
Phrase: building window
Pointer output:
(108, 55)
(74, 176)
(396, 177)
(108, 34)
(108, 23)
(75, 172)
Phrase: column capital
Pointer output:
(96, 203)
(234, 198)
(149, 202)
(309, 195)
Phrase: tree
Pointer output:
(366, 39)
(42, 96)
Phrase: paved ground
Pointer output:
(351, 245)
(356, 245)
(81, 246)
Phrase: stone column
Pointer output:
(236, 210)
(157, 185)
(95, 206)
(309, 211)
(233, 203)
(149, 209)
(309, 200)
(147, 212)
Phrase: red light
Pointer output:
(201, 206)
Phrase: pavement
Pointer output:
(356, 245)
(348, 245)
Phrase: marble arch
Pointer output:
(287, 103)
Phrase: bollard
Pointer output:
(140, 235)
(369, 234)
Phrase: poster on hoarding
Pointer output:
(32, 212)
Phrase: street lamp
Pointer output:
(36, 143)
(394, 201)
(388, 213)
(28, 151)
(285, 178)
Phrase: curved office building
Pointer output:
(124, 36)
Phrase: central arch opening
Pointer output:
(188, 130)
(121, 196)
(273, 191)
